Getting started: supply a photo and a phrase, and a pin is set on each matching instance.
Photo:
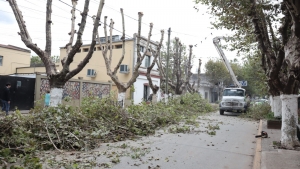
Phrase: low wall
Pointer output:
(75, 89)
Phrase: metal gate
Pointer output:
(22, 91)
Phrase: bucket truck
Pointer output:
(233, 98)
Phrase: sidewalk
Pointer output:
(277, 158)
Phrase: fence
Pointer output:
(75, 89)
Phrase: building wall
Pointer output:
(31, 70)
(139, 88)
(13, 59)
(203, 90)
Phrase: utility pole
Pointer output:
(167, 66)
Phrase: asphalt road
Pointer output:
(232, 147)
(219, 142)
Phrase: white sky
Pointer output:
(190, 26)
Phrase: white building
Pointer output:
(207, 90)
(141, 86)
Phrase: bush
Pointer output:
(260, 111)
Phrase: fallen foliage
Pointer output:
(84, 128)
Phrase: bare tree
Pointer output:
(199, 71)
(179, 83)
(58, 79)
(122, 87)
(155, 54)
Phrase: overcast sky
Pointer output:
(190, 26)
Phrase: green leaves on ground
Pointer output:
(85, 127)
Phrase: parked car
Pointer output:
(261, 101)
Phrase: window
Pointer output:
(85, 49)
(115, 38)
(142, 48)
(102, 40)
(146, 92)
(99, 48)
(1, 60)
(147, 61)
(123, 68)
(206, 95)
(119, 46)
(91, 72)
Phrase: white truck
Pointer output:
(233, 99)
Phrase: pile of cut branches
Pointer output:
(96, 121)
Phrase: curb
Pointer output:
(257, 155)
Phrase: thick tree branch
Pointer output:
(48, 28)
(155, 55)
(91, 49)
(77, 45)
(69, 44)
(123, 44)
(140, 58)
(27, 39)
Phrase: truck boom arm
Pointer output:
(216, 42)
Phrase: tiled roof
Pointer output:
(15, 48)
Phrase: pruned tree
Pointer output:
(190, 88)
(199, 71)
(275, 27)
(57, 79)
(122, 87)
(181, 79)
(155, 54)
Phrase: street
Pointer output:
(232, 147)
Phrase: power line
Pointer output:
(92, 17)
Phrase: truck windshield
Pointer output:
(233, 92)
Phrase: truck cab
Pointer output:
(233, 100)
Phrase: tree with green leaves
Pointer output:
(273, 28)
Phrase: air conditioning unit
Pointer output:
(124, 69)
(91, 73)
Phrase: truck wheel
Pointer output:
(221, 112)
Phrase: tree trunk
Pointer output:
(277, 106)
(289, 121)
(56, 90)
(121, 95)
(56, 95)
(154, 98)
(271, 103)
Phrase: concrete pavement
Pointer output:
(272, 158)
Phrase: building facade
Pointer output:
(95, 70)
(207, 90)
(12, 57)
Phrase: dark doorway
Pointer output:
(22, 91)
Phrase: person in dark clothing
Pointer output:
(6, 98)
